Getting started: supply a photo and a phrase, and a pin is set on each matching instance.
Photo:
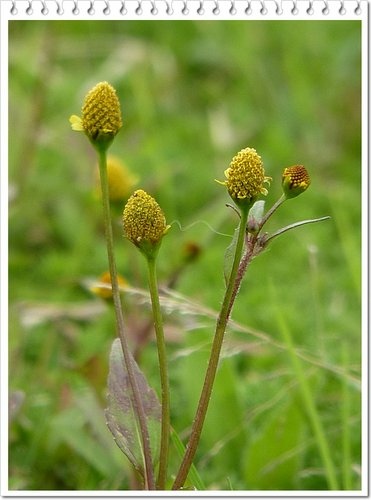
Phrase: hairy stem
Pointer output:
(214, 359)
(137, 400)
(165, 392)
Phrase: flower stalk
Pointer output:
(137, 400)
(164, 377)
(145, 225)
(100, 121)
(245, 183)
(214, 357)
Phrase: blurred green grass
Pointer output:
(192, 95)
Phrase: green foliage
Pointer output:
(273, 458)
(224, 432)
(193, 93)
(194, 477)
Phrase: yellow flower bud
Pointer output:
(295, 180)
(101, 115)
(144, 222)
(245, 177)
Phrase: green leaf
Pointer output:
(295, 225)
(70, 427)
(121, 415)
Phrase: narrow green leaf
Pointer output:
(121, 415)
(70, 427)
(294, 225)
(193, 477)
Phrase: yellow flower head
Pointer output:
(144, 222)
(246, 177)
(101, 115)
(295, 180)
(120, 180)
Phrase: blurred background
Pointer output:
(193, 93)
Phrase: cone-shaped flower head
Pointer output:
(101, 115)
(245, 177)
(295, 180)
(144, 222)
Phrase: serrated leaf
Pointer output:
(120, 414)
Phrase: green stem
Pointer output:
(272, 210)
(165, 392)
(310, 406)
(214, 359)
(137, 400)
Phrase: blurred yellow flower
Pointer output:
(120, 180)
(103, 288)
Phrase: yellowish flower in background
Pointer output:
(103, 288)
(100, 115)
(245, 177)
(120, 180)
(144, 222)
(295, 180)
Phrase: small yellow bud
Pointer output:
(245, 177)
(144, 222)
(295, 180)
(101, 115)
